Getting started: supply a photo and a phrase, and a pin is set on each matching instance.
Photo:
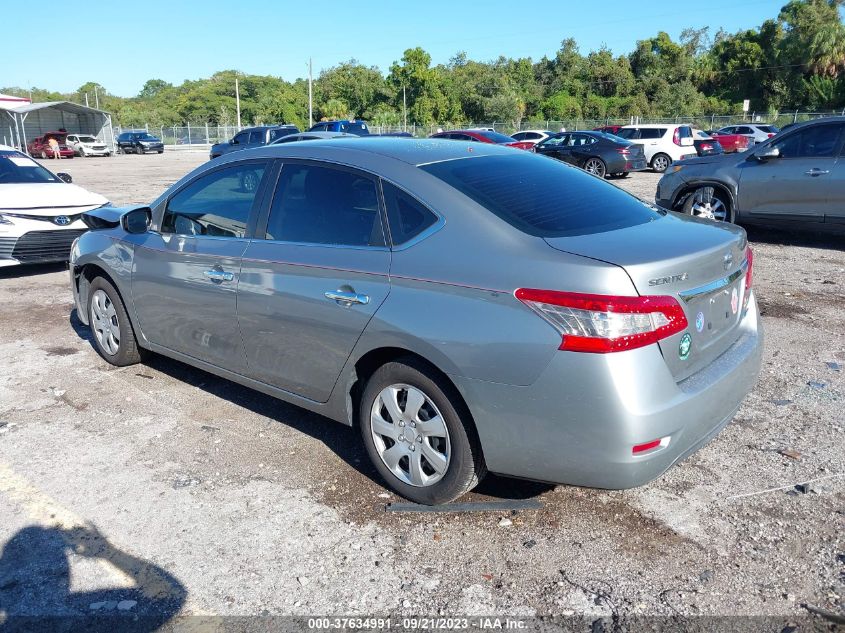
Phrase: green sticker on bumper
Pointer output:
(685, 346)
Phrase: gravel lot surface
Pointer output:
(178, 492)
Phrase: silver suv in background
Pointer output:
(755, 133)
(794, 180)
(468, 307)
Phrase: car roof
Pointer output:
(348, 150)
(652, 125)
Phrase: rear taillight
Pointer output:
(676, 137)
(623, 150)
(749, 258)
(603, 323)
(706, 147)
(770, 135)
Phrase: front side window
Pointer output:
(819, 141)
(324, 205)
(553, 141)
(217, 204)
(242, 137)
(407, 216)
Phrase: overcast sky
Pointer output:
(122, 44)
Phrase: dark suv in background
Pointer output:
(252, 137)
(138, 143)
(358, 128)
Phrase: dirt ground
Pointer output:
(159, 490)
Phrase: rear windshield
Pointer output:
(541, 196)
(494, 136)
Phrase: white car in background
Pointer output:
(87, 145)
(756, 133)
(664, 143)
(532, 136)
(40, 212)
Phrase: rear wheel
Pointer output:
(139, 150)
(114, 337)
(418, 435)
(43, 154)
(708, 202)
(660, 163)
(596, 167)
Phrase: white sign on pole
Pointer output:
(745, 105)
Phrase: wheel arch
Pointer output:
(83, 276)
(367, 364)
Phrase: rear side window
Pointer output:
(407, 216)
(629, 133)
(279, 133)
(256, 136)
(217, 204)
(542, 197)
(651, 132)
(323, 205)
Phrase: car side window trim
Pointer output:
(272, 188)
(255, 211)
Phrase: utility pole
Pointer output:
(404, 109)
(86, 99)
(238, 101)
(96, 96)
(310, 101)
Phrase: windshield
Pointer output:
(87, 139)
(495, 136)
(543, 197)
(145, 137)
(16, 168)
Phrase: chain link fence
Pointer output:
(202, 136)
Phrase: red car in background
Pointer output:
(483, 136)
(730, 142)
(41, 146)
(608, 129)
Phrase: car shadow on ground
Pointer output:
(28, 270)
(786, 237)
(35, 585)
(342, 440)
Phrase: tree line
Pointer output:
(795, 60)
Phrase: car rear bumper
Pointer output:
(578, 423)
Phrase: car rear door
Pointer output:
(801, 184)
(186, 271)
(313, 277)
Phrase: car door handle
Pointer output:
(817, 172)
(219, 275)
(347, 298)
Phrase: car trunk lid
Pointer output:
(699, 263)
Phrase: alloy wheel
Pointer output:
(410, 435)
(104, 322)
(706, 205)
(595, 167)
(660, 163)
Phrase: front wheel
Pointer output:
(418, 434)
(139, 150)
(114, 337)
(706, 202)
(660, 163)
(596, 167)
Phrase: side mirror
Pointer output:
(233, 142)
(687, 142)
(767, 153)
(137, 221)
(65, 177)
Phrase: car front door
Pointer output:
(800, 183)
(313, 277)
(186, 270)
(553, 146)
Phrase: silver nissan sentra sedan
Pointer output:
(469, 307)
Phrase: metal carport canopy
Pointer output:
(34, 119)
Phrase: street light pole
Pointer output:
(238, 101)
(310, 95)
(404, 109)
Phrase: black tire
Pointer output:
(466, 463)
(139, 150)
(161, 151)
(719, 203)
(660, 162)
(128, 351)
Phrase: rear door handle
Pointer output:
(219, 275)
(817, 172)
(347, 298)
